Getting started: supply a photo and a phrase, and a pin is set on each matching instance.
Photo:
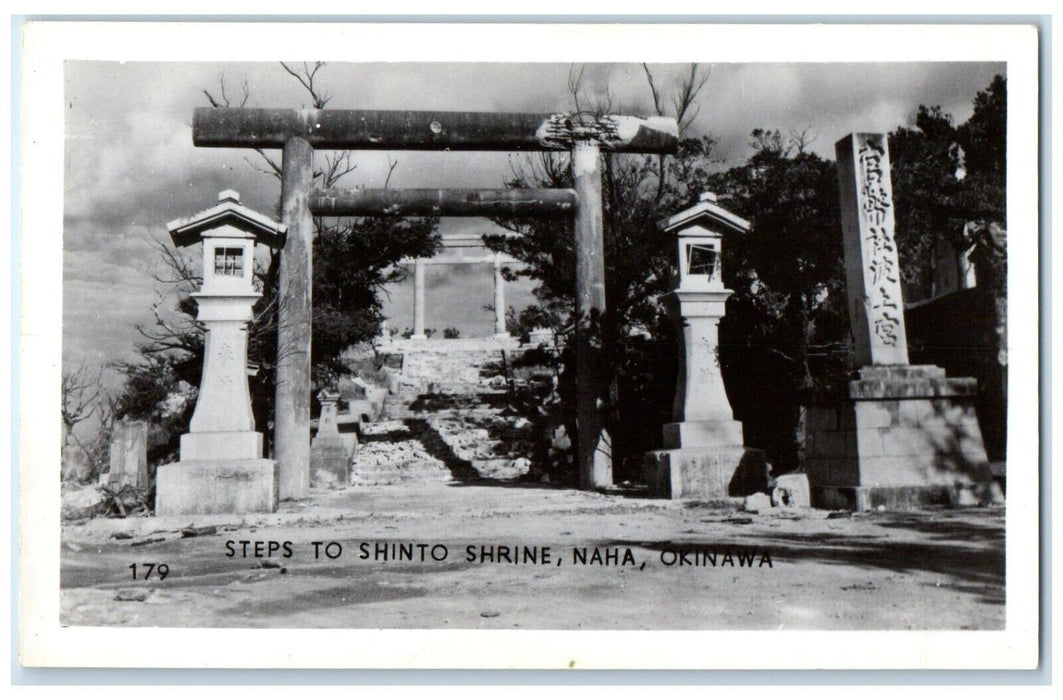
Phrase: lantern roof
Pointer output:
(705, 210)
(228, 212)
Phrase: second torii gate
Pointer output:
(299, 132)
(459, 242)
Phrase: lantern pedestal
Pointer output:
(204, 487)
(704, 455)
(222, 425)
(705, 473)
(221, 468)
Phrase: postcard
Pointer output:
(553, 346)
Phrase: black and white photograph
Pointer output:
(529, 357)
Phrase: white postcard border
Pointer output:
(46, 45)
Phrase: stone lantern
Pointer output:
(221, 468)
(703, 444)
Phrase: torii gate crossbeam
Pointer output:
(299, 132)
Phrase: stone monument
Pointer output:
(704, 445)
(901, 435)
(128, 455)
(330, 456)
(221, 468)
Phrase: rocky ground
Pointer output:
(613, 563)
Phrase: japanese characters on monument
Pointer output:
(876, 308)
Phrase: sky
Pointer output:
(130, 165)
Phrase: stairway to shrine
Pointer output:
(451, 418)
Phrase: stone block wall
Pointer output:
(966, 334)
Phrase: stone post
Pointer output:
(129, 455)
(418, 301)
(330, 458)
(594, 457)
(292, 406)
(900, 435)
(384, 338)
(328, 422)
(500, 299)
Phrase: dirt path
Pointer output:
(935, 569)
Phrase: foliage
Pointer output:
(521, 324)
(407, 333)
(946, 177)
(786, 328)
(354, 261)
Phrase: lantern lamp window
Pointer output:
(229, 261)
(701, 260)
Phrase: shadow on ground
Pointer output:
(971, 557)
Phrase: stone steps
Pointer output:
(470, 367)
(400, 414)
(382, 459)
(471, 400)
(487, 443)
(454, 423)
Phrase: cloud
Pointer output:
(832, 99)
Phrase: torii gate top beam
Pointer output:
(241, 127)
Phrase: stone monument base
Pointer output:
(705, 473)
(228, 486)
(330, 462)
(243, 444)
(905, 436)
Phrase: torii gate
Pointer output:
(298, 132)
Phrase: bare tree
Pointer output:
(685, 106)
(575, 85)
(80, 390)
(83, 396)
(801, 140)
(307, 75)
(223, 98)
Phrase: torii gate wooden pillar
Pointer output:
(299, 132)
